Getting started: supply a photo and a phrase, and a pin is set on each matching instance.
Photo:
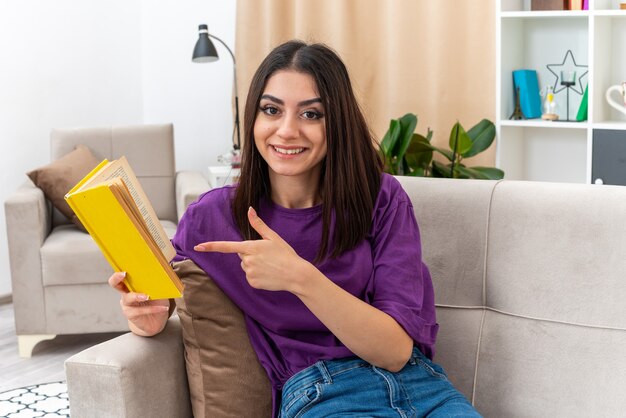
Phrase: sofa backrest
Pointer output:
(530, 282)
(148, 148)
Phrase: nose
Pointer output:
(288, 128)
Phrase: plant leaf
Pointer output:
(444, 152)
(390, 138)
(419, 172)
(426, 143)
(460, 139)
(468, 172)
(408, 123)
(440, 170)
(418, 155)
(491, 173)
(482, 135)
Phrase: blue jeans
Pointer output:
(353, 387)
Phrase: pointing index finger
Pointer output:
(261, 227)
(227, 247)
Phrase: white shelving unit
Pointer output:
(557, 151)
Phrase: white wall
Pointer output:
(73, 63)
(197, 98)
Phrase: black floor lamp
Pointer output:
(205, 51)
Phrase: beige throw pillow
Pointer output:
(58, 177)
(225, 376)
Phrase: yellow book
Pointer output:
(116, 212)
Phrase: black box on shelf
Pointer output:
(608, 161)
(549, 5)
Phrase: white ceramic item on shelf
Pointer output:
(621, 88)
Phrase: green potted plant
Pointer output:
(407, 153)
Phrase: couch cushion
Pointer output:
(65, 245)
(457, 345)
(556, 251)
(225, 376)
(534, 368)
(58, 177)
(452, 215)
(83, 308)
(553, 336)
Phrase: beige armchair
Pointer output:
(58, 273)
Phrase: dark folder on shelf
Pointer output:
(529, 97)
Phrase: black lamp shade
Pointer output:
(205, 50)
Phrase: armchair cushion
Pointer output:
(58, 177)
(225, 376)
(69, 257)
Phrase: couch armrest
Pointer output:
(28, 222)
(131, 376)
(189, 185)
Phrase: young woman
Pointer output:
(320, 250)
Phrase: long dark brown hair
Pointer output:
(351, 171)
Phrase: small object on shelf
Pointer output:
(622, 6)
(232, 158)
(517, 112)
(548, 4)
(584, 104)
(549, 105)
(575, 5)
(621, 89)
(550, 116)
(585, 4)
(529, 97)
(568, 79)
(565, 66)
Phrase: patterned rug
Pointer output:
(47, 400)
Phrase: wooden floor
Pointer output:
(46, 364)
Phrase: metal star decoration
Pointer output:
(565, 66)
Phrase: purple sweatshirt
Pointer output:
(384, 270)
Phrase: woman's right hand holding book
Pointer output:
(145, 317)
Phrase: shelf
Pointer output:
(545, 14)
(539, 150)
(538, 154)
(612, 124)
(537, 123)
(612, 13)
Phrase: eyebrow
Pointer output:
(302, 103)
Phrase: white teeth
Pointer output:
(289, 151)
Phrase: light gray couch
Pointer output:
(58, 274)
(530, 285)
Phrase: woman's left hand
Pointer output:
(269, 263)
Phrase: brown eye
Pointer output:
(269, 110)
(311, 114)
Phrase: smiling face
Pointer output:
(290, 128)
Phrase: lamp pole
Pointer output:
(204, 51)
(238, 144)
